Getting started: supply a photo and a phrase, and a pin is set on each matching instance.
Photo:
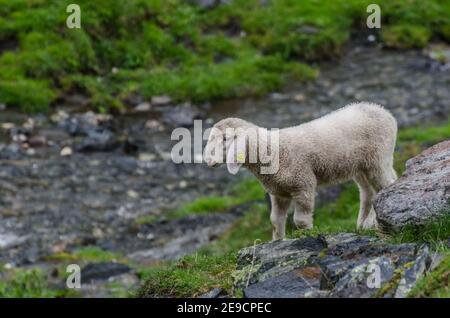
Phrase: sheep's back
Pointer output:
(342, 143)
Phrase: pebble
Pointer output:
(66, 151)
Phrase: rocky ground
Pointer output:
(75, 178)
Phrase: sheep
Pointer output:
(355, 142)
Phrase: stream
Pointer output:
(73, 178)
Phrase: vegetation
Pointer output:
(23, 283)
(160, 47)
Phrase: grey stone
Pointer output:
(261, 262)
(207, 4)
(412, 274)
(338, 265)
(296, 283)
(103, 270)
(213, 293)
(420, 195)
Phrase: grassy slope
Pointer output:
(154, 47)
(255, 227)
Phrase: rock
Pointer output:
(420, 195)
(98, 140)
(181, 116)
(438, 52)
(143, 107)
(293, 284)
(338, 265)
(207, 4)
(104, 270)
(213, 293)
(161, 100)
(66, 151)
(8, 240)
(412, 274)
(357, 281)
(37, 141)
(299, 97)
(264, 261)
(7, 126)
(153, 124)
(278, 97)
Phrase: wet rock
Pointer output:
(213, 293)
(142, 107)
(98, 140)
(181, 116)
(37, 141)
(438, 52)
(66, 151)
(207, 4)
(78, 124)
(260, 262)
(161, 100)
(364, 280)
(420, 195)
(10, 152)
(413, 273)
(115, 286)
(297, 283)
(104, 270)
(338, 265)
(279, 97)
(8, 240)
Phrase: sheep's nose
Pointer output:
(210, 162)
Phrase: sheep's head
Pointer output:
(228, 143)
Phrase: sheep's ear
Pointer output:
(236, 154)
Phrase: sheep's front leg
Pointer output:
(278, 216)
(304, 210)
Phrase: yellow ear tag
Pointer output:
(241, 157)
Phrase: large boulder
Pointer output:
(420, 195)
(338, 265)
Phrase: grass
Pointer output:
(86, 254)
(159, 47)
(24, 283)
(435, 233)
(191, 277)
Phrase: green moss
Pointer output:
(188, 277)
(29, 95)
(86, 254)
(405, 36)
(33, 283)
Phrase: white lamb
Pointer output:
(355, 142)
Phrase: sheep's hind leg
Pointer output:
(278, 216)
(366, 194)
(304, 210)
